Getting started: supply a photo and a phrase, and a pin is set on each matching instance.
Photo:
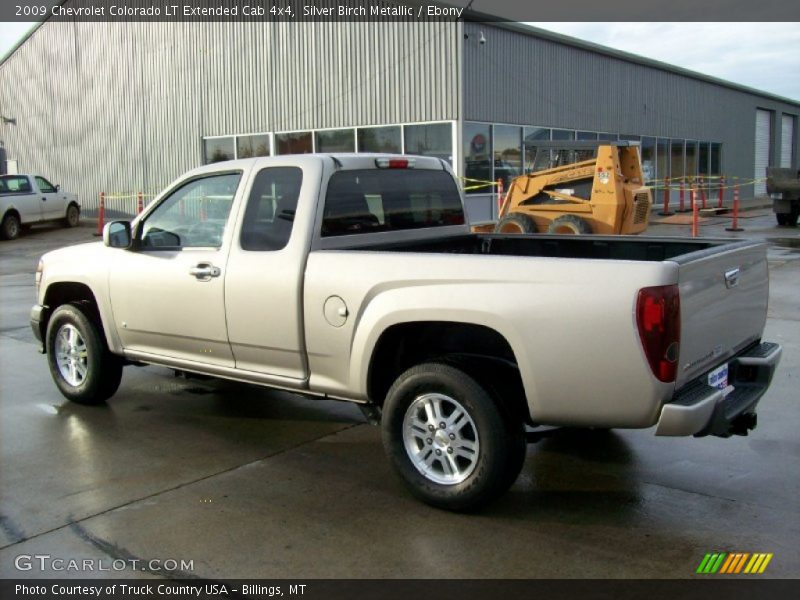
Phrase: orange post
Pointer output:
(101, 214)
(703, 192)
(139, 203)
(735, 225)
(665, 212)
(695, 214)
(499, 196)
(720, 202)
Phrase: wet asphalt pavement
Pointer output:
(238, 481)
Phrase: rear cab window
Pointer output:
(374, 200)
(15, 184)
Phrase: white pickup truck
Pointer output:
(29, 199)
(355, 277)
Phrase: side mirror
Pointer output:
(58, 186)
(117, 234)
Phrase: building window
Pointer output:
(248, 146)
(335, 140)
(715, 159)
(430, 140)
(630, 138)
(649, 158)
(531, 135)
(507, 152)
(662, 158)
(299, 142)
(380, 139)
(676, 159)
(477, 150)
(586, 136)
(691, 159)
(218, 149)
(563, 134)
(607, 137)
(703, 159)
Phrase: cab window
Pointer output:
(45, 186)
(194, 215)
(269, 216)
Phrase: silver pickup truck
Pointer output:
(355, 277)
(29, 199)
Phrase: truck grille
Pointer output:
(641, 208)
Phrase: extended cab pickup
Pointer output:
(29, 199)
(356, 277)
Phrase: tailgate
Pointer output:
(723, 293)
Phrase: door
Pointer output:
(167, 293)
(763, 145)
(787, 140)
(53, 203)
(263, 288)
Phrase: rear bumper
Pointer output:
(699, 409)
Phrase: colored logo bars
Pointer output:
(734, 562)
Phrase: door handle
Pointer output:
(205, 271)
(44, 199)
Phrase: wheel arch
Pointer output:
(59, 293)
(481, 350)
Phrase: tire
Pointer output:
(515, 223)
(793, 215)
(569, 224)
(488, 446)
(80, 363)
(73, 216)
(11, 227)
(783, 219)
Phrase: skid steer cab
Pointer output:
(577, 188)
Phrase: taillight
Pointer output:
(658, 317)
(394, 163)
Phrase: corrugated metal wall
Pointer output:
(119, 107)
(520, 79)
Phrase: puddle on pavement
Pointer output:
(786, 242)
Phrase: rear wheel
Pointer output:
(793, 215)
(516, 223)
(10, 227)
(570, 224)
(453, 445)
(783, 218)
(73, 216)
(81, 365)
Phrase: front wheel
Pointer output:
(516, 223)
(73, 216)
(452, 443)
(81, 365)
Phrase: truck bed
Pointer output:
(637, 248)
(719, 318)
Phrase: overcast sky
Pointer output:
(765, 56)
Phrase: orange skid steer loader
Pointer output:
(603, 194)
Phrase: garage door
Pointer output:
(763, 143)
(787, 140)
